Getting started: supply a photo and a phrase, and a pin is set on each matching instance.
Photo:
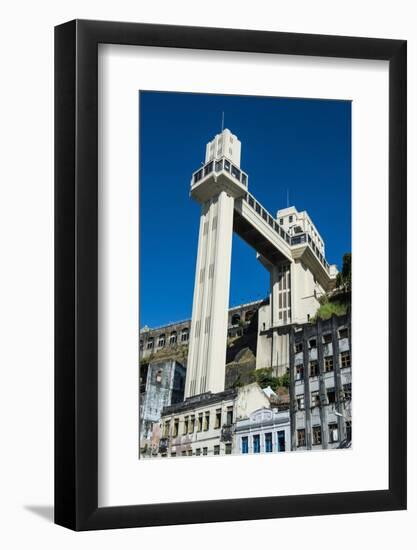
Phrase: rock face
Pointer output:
(239, 372)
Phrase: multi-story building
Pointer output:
(321, 384)
(264, 431)
(164, 386)
(204, 424)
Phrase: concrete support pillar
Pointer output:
(208, 336)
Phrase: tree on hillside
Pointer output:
(344, 277)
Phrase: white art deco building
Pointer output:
(288, 245)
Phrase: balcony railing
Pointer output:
(218, 166)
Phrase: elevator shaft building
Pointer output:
(288, 245)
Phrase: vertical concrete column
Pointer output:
(322, 388)
(274, 293)
(208, 336)
(307, 395)
(341, 422)
(293, 403)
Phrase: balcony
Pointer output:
(217, 176)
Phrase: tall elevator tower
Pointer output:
(215, 186)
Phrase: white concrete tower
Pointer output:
(215, 186)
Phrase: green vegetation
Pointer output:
(329, 308)
(338, 301)
(265, 378)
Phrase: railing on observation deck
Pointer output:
(224, 164)
(219, 166)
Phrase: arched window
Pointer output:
(235, 319)
(173, 337)
(249, 314)
(184, 335)
(161, 341)
(149, 345)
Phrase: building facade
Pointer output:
(266, 430)
(321, 384)
(164, 386)
(203, 425)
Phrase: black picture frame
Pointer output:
(76, 272)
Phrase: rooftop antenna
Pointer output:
(222, 121)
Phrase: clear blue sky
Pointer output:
(301, 145)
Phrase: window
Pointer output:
(185, 426)
(343, 333)
(197, 452)
(281, 221)
(173, 338)
(192, 424)
(190, 452)
(161, 341)
(290, 219)
(328, 363)
(314, 368)
(349, 430)
(218, 421)
(184, 335)
(149, 345)
(300, 402)
(235, 319)
(226, 165)
(316, 435)
(333, 434)
(208, 168)
(299, 372)
(216, 450)
(200, 422)
(301, 438)
(235, 172)
(219, 163)
(315, 399)
(205, 451)
(173, 454)
(245, 445)
(175, 430)
(345, 359)
(347, 391)
(281, 441)
(207, 421)
(268, 443)
(256, 443)
(228, 448)
(327, 338)
(229, 416)
(298, 347)
(183, 453)
(331, 395)
(166, 428)
(312, 343)
(141, 345)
